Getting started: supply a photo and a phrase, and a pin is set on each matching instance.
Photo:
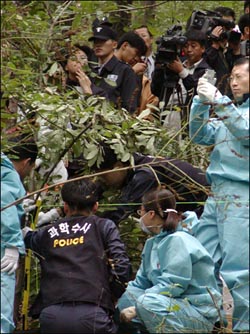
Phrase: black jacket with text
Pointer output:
(81, 258)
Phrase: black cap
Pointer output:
(102, 22)
(104, 33)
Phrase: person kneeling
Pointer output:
(84, 266)
(175, 289)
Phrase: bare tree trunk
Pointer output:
(124, 17)
(149, 12)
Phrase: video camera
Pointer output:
(170, 45)
(206, 21)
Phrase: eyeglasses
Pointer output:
(139, 212)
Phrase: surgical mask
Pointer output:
(143, 227)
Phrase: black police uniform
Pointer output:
(187, 182)
(83, 268)
(119, 82)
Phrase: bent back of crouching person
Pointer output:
(83, 261)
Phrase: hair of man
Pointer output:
(134, 40)
(80, 195)
(22, 147)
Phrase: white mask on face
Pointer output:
(143, 227)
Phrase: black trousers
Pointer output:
(75, 317)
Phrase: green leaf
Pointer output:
(19, 17)
(150, 144)
(92, 153)
(144, 113)
(126, 157)
(53, 69)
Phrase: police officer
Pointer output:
(118, 80)
(84, 266)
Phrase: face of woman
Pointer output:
(76, 61)
(150, 222)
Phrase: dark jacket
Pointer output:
(191, 81)
(75, 255)
(160, 79)
(216, 59)
(119, 82)
(187, 182)
(96, 90)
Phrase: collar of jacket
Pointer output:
(109, 66)
(165, 233)
(70, 82)
(244, 99)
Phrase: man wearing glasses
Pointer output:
(224, 224)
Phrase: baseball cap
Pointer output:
(104, 33)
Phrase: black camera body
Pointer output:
(206, 21)
(170, 45)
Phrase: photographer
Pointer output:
(185, 73)
(222, 24)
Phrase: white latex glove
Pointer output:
(206, 91)
(44, 218)
(128, 314)
(28, 205)
(9, 262)
(25, 230)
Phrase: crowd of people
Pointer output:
(87, 284)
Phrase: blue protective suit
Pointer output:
(11, 236)
(224, 224)
(170, 290)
